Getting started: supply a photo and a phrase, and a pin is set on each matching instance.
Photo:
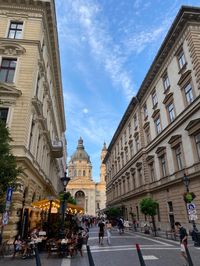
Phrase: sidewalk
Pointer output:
(51, 261)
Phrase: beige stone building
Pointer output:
(158, 139)
(32, 104)
(88, 194)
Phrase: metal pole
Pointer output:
(142, 263)
(37, 257)
(90, 258)
(188, 256)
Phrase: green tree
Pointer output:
(113, 213)
(8, 166)
(148, 206)
(68, 196)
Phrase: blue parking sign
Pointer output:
(9, 194)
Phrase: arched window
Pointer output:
(83, 172)
(79, 173)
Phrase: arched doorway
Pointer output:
(80, 198)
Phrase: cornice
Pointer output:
(7, 89)
(185, 15)
(44, 10)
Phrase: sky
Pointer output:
(106, 49)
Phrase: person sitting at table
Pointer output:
(20, 246)
(79, 244)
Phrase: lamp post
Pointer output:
(65, 180)
(195, 232)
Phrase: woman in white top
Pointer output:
(108, 231)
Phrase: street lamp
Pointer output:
(65, 180)
(186, 182)
(195, 232)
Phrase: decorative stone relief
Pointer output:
(13, 49)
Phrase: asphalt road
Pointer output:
(122, 252)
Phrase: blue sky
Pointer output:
(106, 49)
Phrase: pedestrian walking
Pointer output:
(183, 241)
(108, 231)
(101, 226)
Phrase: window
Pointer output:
(178, 157)
(15, 30)
(122, 157)
(129, 129)
(131, 149)
(140, 177)
(126, 154)
(171, 112)
(137, 143)
(166, 83)
(188, 93)
(137, 211)
(148, 135)
(3, 114)
(181, 59)
(170, 206)
(154, 99)
(125, 136)
(158, 125)
(83, 172)
(152, 172)
(121, 142)
(163, 165)
(7, 70)
(158, 213)
(197, 141)
(135, 121)
(31, 135)
(145, 110)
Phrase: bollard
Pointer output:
(188, 256)
(142, 263)
(90, 258)
(37, 257)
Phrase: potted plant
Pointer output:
(189, 197)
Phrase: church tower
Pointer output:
(103, 166)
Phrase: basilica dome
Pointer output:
(80, 153)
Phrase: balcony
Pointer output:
(57, 148)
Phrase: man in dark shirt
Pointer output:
(101, 226)
(183, 240)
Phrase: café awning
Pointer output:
(44, 205)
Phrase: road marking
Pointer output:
(150, 257)
(66, 262)
(153, 240)
(126, 249)
(96, 237)
(126, 246)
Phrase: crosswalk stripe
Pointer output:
(126, 249)
(66, 262)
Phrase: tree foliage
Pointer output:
(67, 196)
(113, 212)
(8, 166)
(148, 206)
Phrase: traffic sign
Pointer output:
(5, 218)
(191, 206)
(9, 194)
(193, 217)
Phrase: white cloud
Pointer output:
(85, 110)
(139, 41)
(93, 30)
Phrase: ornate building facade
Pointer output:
(88, 194)
(31, 104)
(158, 139)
